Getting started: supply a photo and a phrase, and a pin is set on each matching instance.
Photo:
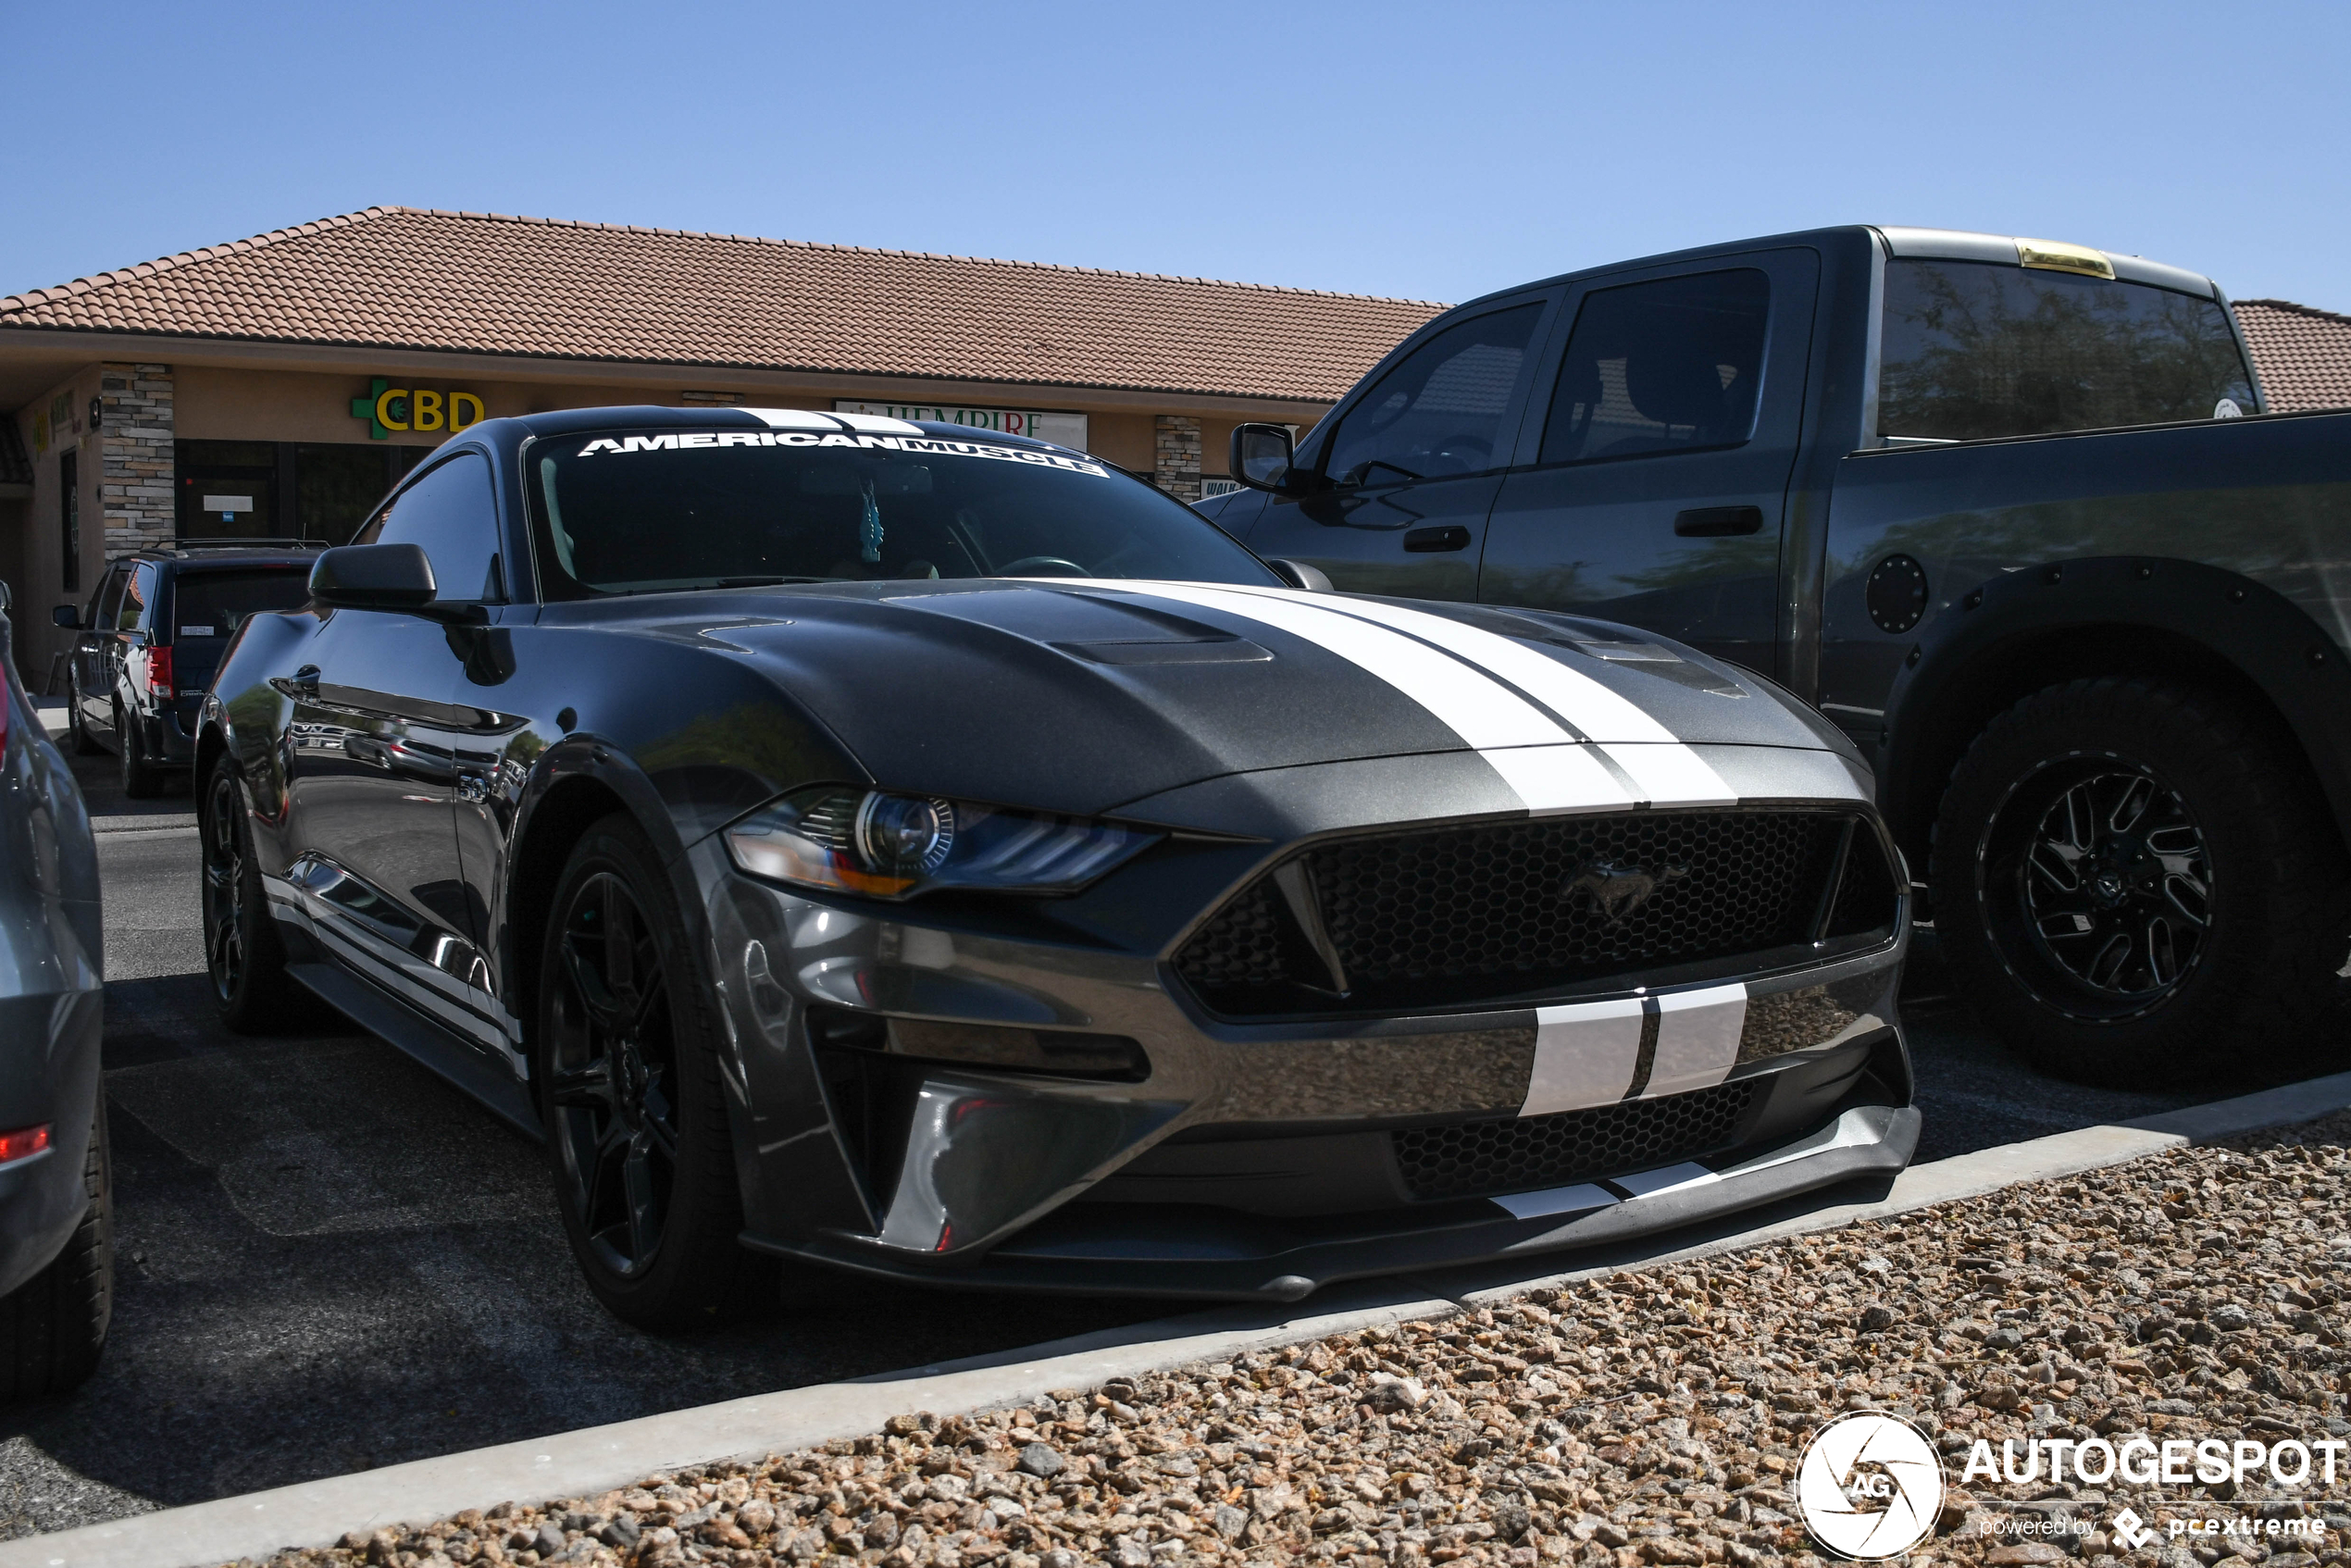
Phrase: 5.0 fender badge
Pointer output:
(1617, 891)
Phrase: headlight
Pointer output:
(894, 846)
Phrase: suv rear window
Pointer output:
(213, 603)
(1973, 350)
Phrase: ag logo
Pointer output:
(1870, 1486)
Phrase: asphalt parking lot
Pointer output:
(328, 1261)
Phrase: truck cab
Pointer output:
(1931, 481)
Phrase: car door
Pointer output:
(1660, 467)
(91, 684)
(133, 625)
(373, 736)
(1410, 469)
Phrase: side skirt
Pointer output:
(392, 1021)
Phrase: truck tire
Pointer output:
(140, 779)
(2136, 885)
(53, 1326)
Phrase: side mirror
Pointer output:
(374, 576)
(1297, 574)
(68, 616)
(1261, 457)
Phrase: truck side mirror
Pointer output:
(1261, 457)
(386, 577)
(68, 616)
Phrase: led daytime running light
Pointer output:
(888, 845)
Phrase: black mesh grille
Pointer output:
(1473, 1159)
(1468, 914)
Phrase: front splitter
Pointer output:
(1099, 1251)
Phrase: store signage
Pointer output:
(1063, 429)
(387, 409)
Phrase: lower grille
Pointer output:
(1476, 1159)
(1462, 915)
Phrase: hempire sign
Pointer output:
(387, 409)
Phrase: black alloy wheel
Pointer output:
(613, 1079)
(2137, 882)
(243, 953)
(627, 1060)
(2097, 882)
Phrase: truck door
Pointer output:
(1661, 454)
(1410, 470)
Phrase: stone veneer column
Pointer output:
(1175, 454)
(135, 455)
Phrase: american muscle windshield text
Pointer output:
(660, 511)
(915, 446)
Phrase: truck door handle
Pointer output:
(1717, 522)
(1430, 541)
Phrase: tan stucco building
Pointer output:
(275, 386)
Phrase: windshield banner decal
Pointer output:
(913, 445)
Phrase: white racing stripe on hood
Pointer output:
(1482, 711)
(1551, 779)
(1664, 769)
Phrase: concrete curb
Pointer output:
(598, 1458)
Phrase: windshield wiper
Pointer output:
(766, 582)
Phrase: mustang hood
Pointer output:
(1082, 696)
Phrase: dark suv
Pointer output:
(152, 635)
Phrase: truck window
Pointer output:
(1439, 412)
(215, 603)
(1671, 365)
(1972, 350)
(131, 615)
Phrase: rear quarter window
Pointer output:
(1973, 350)
(213, 603)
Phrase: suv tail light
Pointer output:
(154, 672)
(23, 1143)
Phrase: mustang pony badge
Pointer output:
(1617, 891)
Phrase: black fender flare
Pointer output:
(1982, 649)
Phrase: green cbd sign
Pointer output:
(387, 409)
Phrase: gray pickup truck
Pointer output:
(2009, 512)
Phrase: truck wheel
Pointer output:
(2136, 886)
(53, 1326)
(242, 950)
(636, 1110)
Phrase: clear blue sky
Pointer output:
(1428, 150)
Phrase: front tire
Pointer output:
(2136, 886)
(54, 1326)
(78, 739)
(140, 779)
(628, 1061)
(245, 955)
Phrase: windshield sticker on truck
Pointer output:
(927, 446)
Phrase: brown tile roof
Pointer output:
(482, 283)
(2304, 355)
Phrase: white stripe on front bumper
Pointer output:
(1698, 1039)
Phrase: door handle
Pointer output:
(1717, 522)
(1430, 541)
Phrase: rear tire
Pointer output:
(245, 955)
(2136, 886)
(54, 1326)
(628, 1062)
(140, 779)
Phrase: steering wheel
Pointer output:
(1048, 565)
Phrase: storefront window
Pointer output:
(283, 489)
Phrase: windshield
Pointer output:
(646, 512)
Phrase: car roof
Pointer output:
(194, 553)
(1954, 244)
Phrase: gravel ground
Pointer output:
(1648, 1417)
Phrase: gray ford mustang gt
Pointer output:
(939, 854)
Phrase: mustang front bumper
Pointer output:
(1266, 1157)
